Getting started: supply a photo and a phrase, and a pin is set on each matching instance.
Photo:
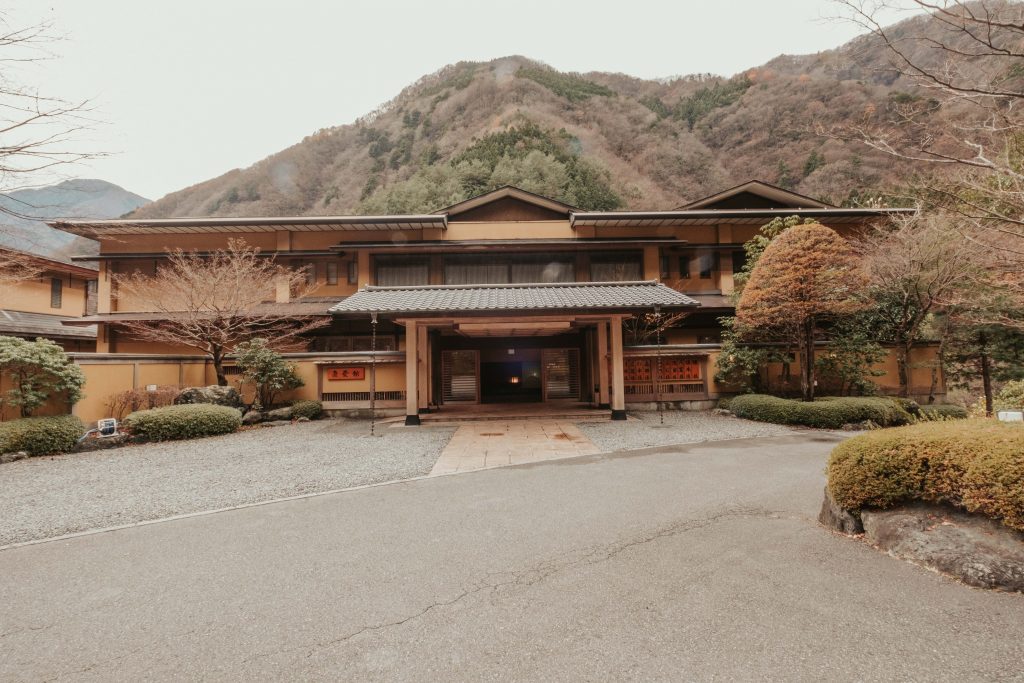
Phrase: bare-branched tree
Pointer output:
(968, 61)
(214, 302)
(918, 266)
(649, 328)
(38, 132)
(16, 266)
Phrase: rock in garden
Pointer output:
(253, 417)
(977, 550)
(217, 395)
(838, 518)
(280, 413)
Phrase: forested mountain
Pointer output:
(23, 214)
(596, 140)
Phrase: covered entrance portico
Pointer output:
(552, 344)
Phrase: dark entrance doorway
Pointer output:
(510, 382)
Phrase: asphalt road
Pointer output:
(695, 562)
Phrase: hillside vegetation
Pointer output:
(597, 140)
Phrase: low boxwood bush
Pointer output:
(186, 421)
(944, 412)
(976, 464)
(312, 410)
(41, 435)
(826, 413)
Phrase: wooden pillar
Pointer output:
(412, 415)
(726, 282)
(652, 263)
(618, 383)
(423, 357)
(282, 291)
(602, 365)
(104, 288)
(363, 275)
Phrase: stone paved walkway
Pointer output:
(482, 445)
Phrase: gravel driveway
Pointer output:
(681, 426)
(51, 496)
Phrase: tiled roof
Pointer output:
(311, 306)
(41, 325)
(523, 297)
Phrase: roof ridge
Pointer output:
(510, 285)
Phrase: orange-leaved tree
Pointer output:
(808, 275)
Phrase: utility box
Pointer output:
(107, 427)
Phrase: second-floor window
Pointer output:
(473, 269)
(684, 266)
(56, 292)
(91, 289)
(402, 271)
(332, 272)
(739, 260)
(616, 267)
(707, 261)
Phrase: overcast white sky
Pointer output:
(189, 89)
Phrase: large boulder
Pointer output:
(285, 413)
(977, 550)
(217, 395)
(253, 417)
(837, 518)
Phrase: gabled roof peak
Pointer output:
(507, 192)
(766, 196)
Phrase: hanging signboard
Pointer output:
(346, 373)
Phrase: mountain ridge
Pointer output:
(596, 139)
(23, 214)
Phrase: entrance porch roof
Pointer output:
(570, 296)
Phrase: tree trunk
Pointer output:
(940, 362)
(217, 354)
(807, 361)
(986, 374)
(903, 368)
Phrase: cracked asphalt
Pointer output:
(694, 562)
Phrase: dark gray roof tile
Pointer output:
(520, 297)
(24, 324)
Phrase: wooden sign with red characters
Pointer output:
(346, 373)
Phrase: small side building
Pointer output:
(37, 306)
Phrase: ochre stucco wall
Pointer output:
(33, 296)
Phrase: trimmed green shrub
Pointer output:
(41, 435)
(37, 371)
(1011, 396)
(187, 421)
(977, 465)
(944, 411)
(312, 410)
(826, 413)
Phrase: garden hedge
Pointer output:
(827, 413)
(186, 421)
(312, 410)
(977, 465)
(41, 435)
(944, 411)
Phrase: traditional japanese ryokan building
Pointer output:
(508, 297)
